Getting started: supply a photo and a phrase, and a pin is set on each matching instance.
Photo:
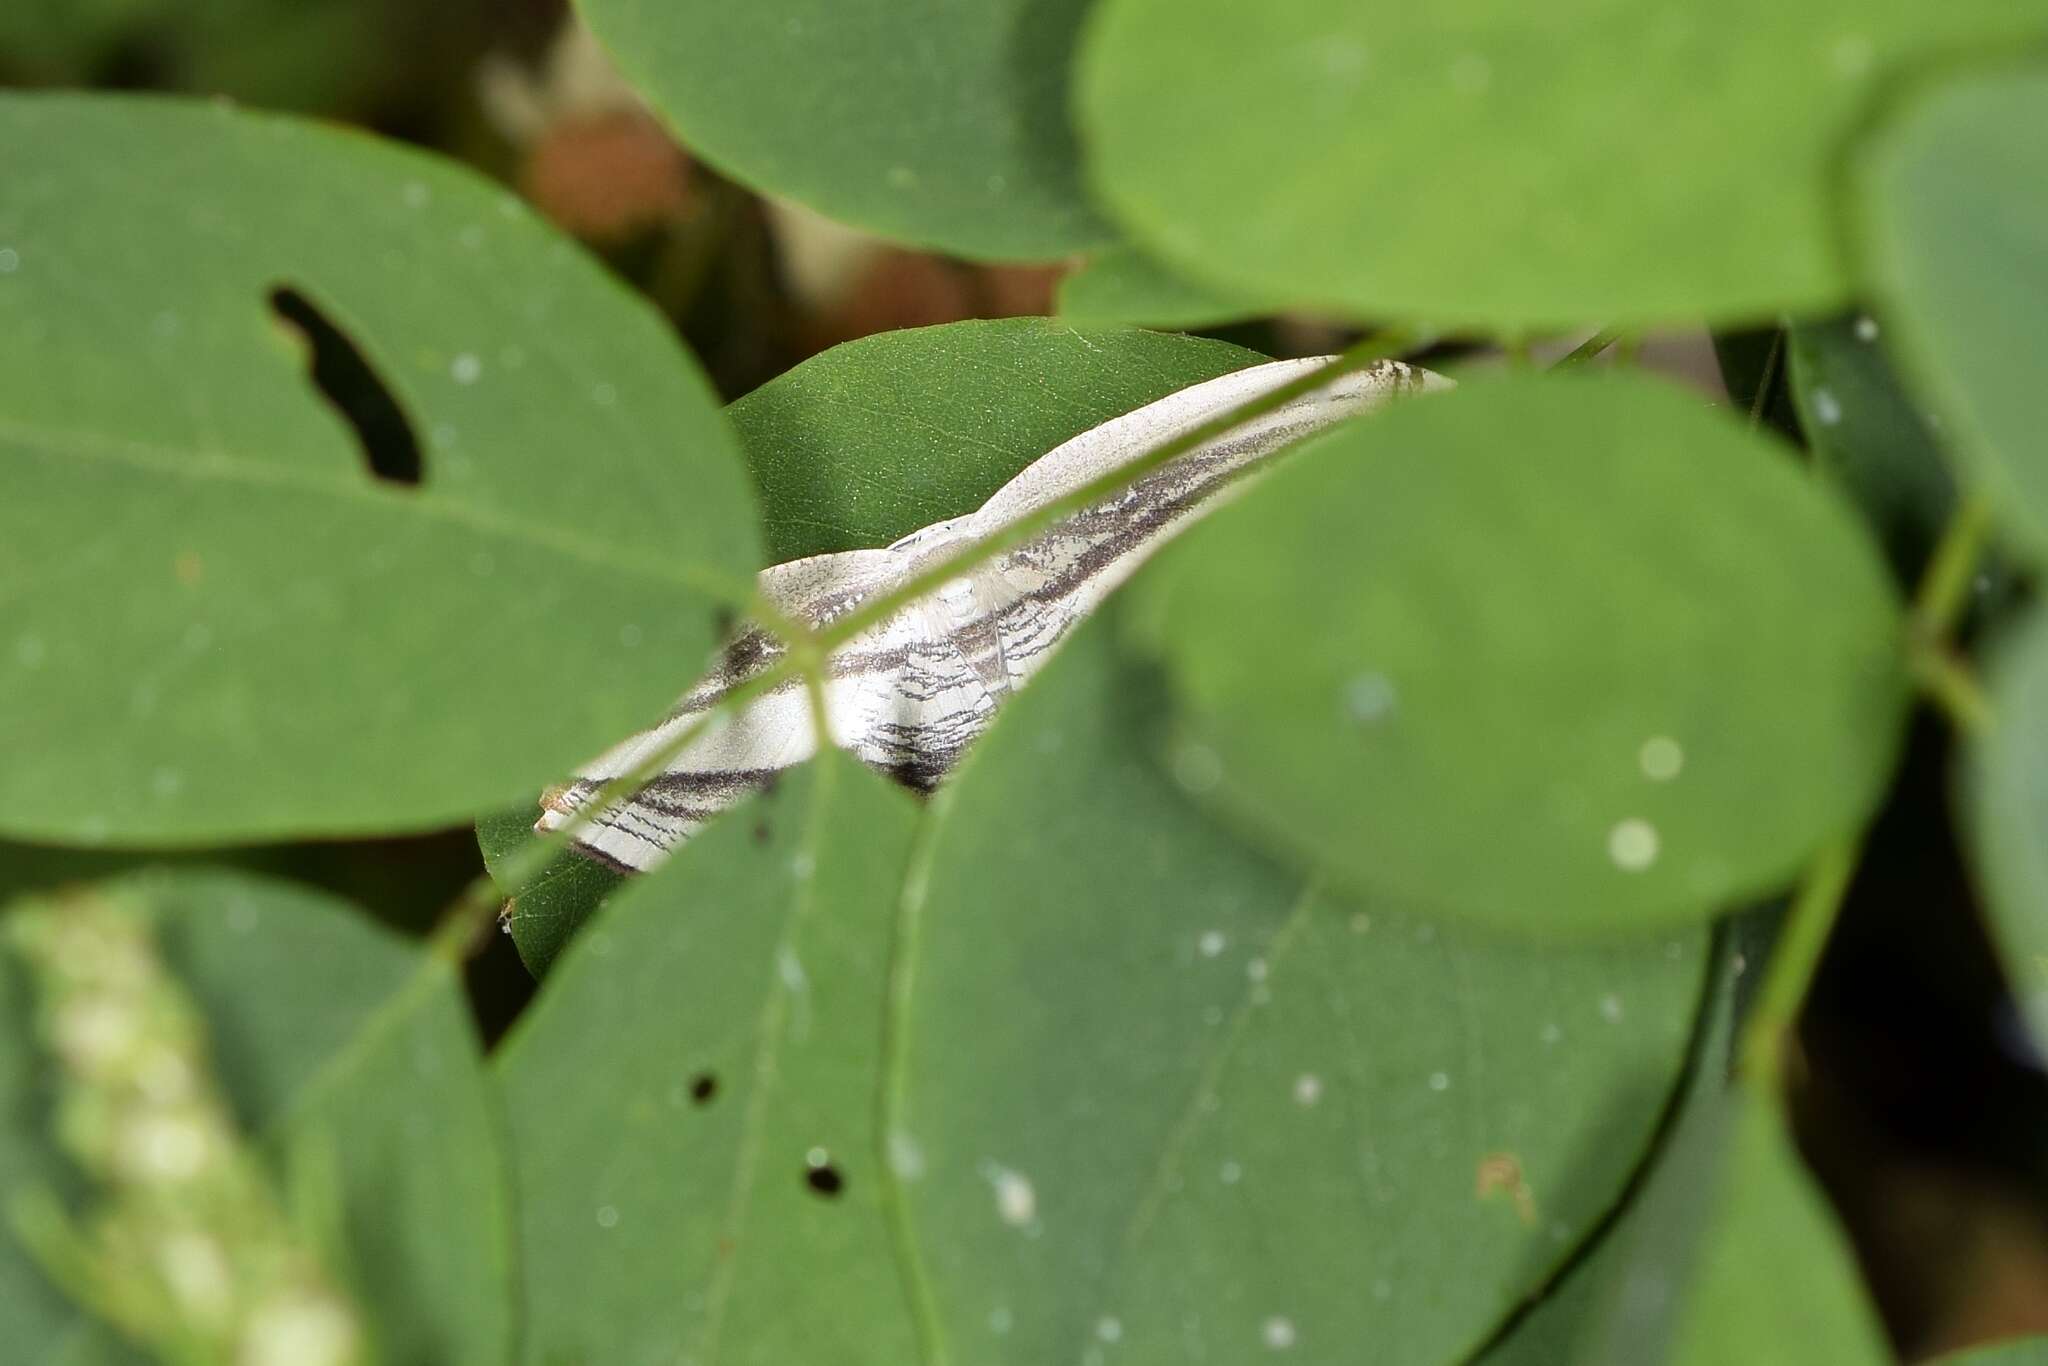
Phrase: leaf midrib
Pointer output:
(222, 468)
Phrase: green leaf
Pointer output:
(2006, 813)
(934, 123)
(692, 1099)
(878, 437)
(219, 625)
(377, 1072)
(1733, 1257)
(1870, 439)
(1554, 653)
(1457, 161)
(1954, 212)
(1126, 285)
(1168, 1096)
(542, 915)
(1559, 1329)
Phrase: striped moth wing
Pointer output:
(909, 694)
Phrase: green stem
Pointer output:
(1589, 348)
(1951, 685)
(1762, 397)
(1793, 960)
(1945, 586)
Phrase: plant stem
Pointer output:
(1759, 400)
(1793, 960)
(1951, 685)
(1945, 586)
(1589, 348)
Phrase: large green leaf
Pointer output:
(693, 1098)
(2006, 813)
(1495, 163)
(377, 1073)
(876, 438)
(935, 123)
(1954, 212)
(1172, 1101)
(1112, 1079)
(1551, 653)
(216, 623)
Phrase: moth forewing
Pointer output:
(908, 694)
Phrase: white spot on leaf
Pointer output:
(1661, 758)
(1632, 845)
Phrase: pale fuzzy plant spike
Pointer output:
(908, 695)
(186, 1251)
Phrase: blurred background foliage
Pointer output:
(1920, 1103)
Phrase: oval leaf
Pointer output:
(222, 625)
(938, 124)
(1955, 213)
(1559, 654)
(1450, 161)
(716, 1190)
(1168, 1096)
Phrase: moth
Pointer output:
(910, 693)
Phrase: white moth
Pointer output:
(909, 694)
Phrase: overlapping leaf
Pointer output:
(1553, 654)
(935, 123)
(693, 1106)
(1491, 162)
(216, 624)
(1955, 217)
(1170, 1101)
(1113, 1082)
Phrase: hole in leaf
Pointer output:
(703, 1088)
(344, 375)
(825, 1180)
